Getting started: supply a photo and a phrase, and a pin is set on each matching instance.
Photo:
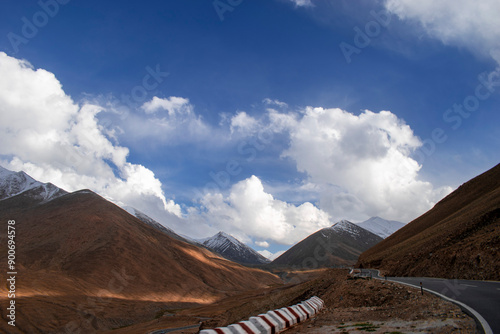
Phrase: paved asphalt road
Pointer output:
(482, 296)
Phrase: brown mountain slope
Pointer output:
(335, 246)
(89, 264)
(458, 238)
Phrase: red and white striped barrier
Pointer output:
(281, 323)
(314, 304)
(301, 314)
(285, 320)
(266, 324)
(319, 301)
(294, 320)
(273, 322)
(304, 311)
(309, 309)
(244, 327)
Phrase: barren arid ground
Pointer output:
(352, 306)
(458, 238)
(86, 264)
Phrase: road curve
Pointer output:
(482, 297)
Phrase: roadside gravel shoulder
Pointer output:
(365, 305)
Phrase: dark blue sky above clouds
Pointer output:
(184, 89)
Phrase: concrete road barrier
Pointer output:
(293, 314)
(244, 327)
(275, 321)
(319, 301)
(282, 317)
(308, 308)
(281, 322)
(290, 321)
(304, 310)
(312, 305)
(265, 323)
(302, 315)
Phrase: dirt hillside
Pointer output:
(85, 263)
(458, 238)
(339, 245)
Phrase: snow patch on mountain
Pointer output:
(380, 226)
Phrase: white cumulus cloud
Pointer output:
(248, 211)
(45, 133)
(169, 121)
(243, 124)
(362, 164)
(173, 105)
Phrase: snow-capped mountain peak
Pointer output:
(346, 226)
(15, 183)
(222, 241)
(380, 226)
(233, 249)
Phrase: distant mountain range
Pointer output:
(233, 249)
(381, 227)
(458, 238)
(14, 183)
(353, 237)
(77, 251)
(338, 245)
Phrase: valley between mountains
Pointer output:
(86, 265)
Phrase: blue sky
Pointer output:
(251, 116)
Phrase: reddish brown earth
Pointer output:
(85, 263)
(383, 307)
(458, 238)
